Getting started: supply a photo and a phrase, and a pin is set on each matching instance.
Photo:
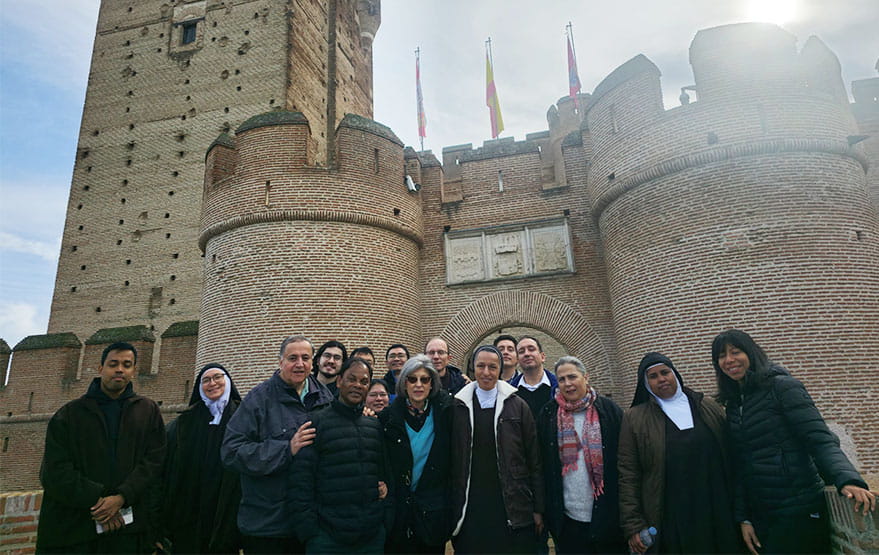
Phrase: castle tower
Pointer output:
(166, 78)
(291, 247)
(747, 208)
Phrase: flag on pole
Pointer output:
(573, 75)
(422, 119)
(491, 99)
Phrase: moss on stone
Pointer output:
(182, 329)
(47, 341)
(353, 121)
(128, 334)
(277, 117)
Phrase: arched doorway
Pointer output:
(567, 331)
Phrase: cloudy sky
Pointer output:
(45, 46)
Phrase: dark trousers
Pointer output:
(794, 534)
(505, 540)
(574, 537)
(324, 543)
(414, 545)
(262, 544)
(111, 542)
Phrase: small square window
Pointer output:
(189, 33)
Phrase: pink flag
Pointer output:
(573, 76)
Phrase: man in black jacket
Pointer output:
(338, 483)
(104, 452)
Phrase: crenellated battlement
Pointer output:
(797, 106)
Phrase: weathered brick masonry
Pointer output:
(233, 190)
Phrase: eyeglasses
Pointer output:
(437, 353)
(393, 356)
(216, 378)
(415, 379)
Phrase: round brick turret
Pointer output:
(755, 197)
(289, 246)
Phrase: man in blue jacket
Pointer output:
(262, 440)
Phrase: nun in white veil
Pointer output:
(673, 468)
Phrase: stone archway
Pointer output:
(505, 309)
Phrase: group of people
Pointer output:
(324, 457)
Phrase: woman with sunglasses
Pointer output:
(417, 429)
(201, 496)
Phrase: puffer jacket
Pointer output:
(642, 459)
(518, 456)
(605, 526)
(257, 446)
(334, 481)
(426, 511)
(781, 444)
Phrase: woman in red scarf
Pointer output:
(578, 431)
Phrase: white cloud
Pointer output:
(59, 38)
(19, 320)
(34, 208)
(13, 243)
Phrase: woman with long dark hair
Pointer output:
(201, 496)
(673, 472)
(417, 431)
(781, 449)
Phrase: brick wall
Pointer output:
(130, 253)
(19, 513)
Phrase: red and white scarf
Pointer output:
(570, 442)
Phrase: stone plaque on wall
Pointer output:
(464, 260)
(550, 250)
(508, 252)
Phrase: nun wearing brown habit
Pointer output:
(672, 466)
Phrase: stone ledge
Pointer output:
(182, 329)
(273, 216)
(267, 119)
(47, 341)
(128, 333)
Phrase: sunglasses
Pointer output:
(415, 379)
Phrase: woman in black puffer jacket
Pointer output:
(780, 444)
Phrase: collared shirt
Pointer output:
(529, 387)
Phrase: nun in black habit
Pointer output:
(200, 496)
(672, 469)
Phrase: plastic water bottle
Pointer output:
(648, 536)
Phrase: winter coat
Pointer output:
(78, 467)
(605, 526)
(518, 456)
(780, 445)
(334, 481)
(642, 459)
(427, 510)
(257, 446)
(201, 497)
(455, 378)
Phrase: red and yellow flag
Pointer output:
(492, 101)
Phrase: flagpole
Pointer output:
(488, 49)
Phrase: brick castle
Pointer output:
(231, 188)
